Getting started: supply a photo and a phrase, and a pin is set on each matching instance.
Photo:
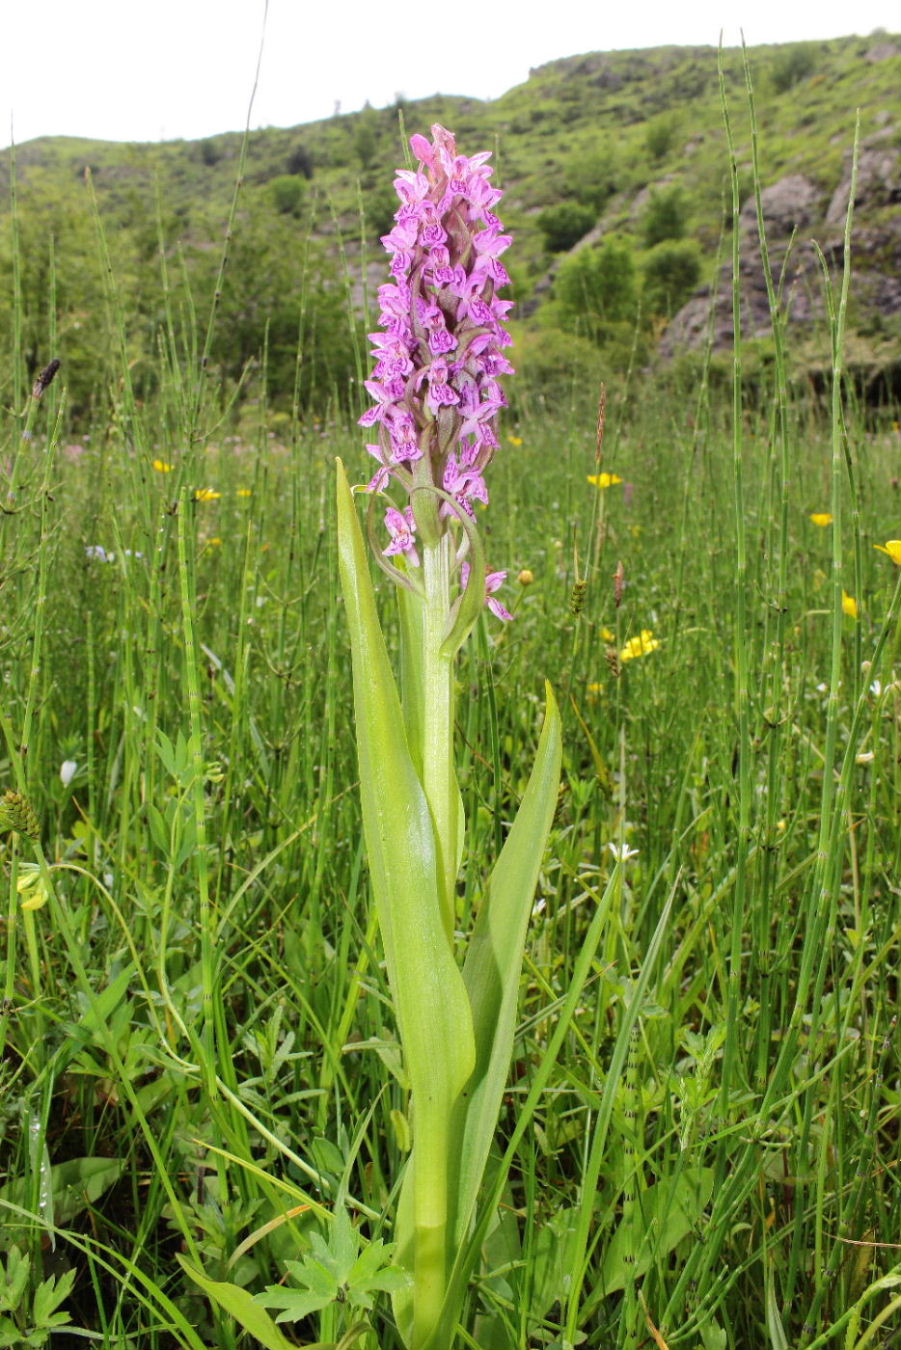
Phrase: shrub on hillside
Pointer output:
(379, 206)
(565, 224)
(597, 289)
(660, 137)
(591, 178)
(300, 162)
(551, 368)
(284, 298)
(671, 272)
(366, 139)
(792, 65)
(288, 194)
(664, 216)
(210, 153)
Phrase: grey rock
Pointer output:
(791, 204)
(878, 181)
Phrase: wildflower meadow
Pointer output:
(450, 835)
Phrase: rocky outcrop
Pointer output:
(791, 204)
(878, 180)
(796, 212)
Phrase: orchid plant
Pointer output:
(438, 355)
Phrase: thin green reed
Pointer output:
(741, 646)
(775, 713)
(613, 1081)
(117, 330)
(736, 1168)
(826, 876)
(200, 855)
(212, 1047)
(201, 382)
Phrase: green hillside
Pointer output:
(616, 177)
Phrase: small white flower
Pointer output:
(622, 852)
(865, 757)
(67, 771)
(876, 688)
(99, 552)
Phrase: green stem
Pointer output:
(439, 778)
(430, 1219)
(429, 708)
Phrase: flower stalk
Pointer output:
(436, 399)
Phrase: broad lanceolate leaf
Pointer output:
(430, 998)
(432, 1006)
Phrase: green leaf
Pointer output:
(501, 1278)
(159, 829)
(778, 1338)
(10, 1335)
(47, 1298)
(74, 1185)
(14, 1278)
(431, 1002)
(429, 994)
(493, 963)
(294, 1304)
(666, 1213)
(552, 1263)
(317, 1273)
(240, 1305)
(491, 974)
(713, 1336)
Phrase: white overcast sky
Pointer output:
(166, 69)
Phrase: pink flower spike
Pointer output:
(436, 361)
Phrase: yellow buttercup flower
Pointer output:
(514, 440)
(526, 577)
(206, 494)
(822, 518)
(893, 548)
(639, 646)
(849, 605)
(607, 635)
(604, 480)
(244, 492)
(162, 467)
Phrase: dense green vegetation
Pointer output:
(628, 145)
(202, 1088)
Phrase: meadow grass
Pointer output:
(699, 1145)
